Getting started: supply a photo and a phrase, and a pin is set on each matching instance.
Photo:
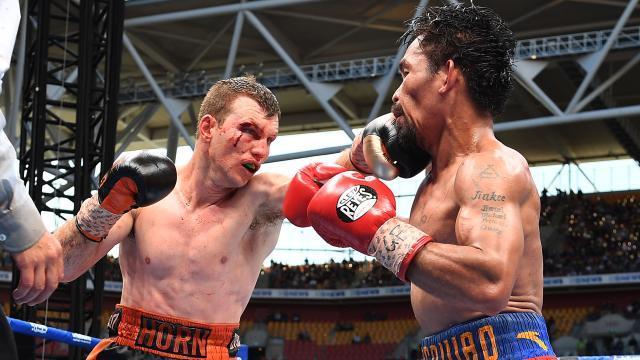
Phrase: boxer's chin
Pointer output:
(407, 132)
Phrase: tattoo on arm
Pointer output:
(74, 245)
(493, 219)
(491, 210)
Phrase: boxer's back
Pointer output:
(436, 211)
(199, 263)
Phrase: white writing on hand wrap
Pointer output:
(395, 244)
(93, 221)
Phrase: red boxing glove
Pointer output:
(352, 207)
(360, 211)
(304, 185)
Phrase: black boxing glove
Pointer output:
(136, 181)
(381, 151)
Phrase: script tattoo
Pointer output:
(479, 195)
(493, 219)
(69, 249)
(74, 246)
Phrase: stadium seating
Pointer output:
(566, 318)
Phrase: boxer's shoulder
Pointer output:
(497, 163)
(500, 169)
(267, 186)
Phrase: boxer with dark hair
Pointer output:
(471, 247)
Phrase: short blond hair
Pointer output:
(220, 96)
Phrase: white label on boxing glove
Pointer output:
(355, 202)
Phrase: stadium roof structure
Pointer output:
(333, 65)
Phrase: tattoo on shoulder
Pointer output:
(489, 172)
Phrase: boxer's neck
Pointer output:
(464, 133)
(199, 190)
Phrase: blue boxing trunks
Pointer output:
(506, 336)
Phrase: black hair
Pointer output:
(479, 43)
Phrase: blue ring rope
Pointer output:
(49, 333)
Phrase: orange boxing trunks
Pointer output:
(138, 334)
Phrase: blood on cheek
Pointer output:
(237, 140)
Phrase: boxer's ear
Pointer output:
(206, 125)
(450, 76)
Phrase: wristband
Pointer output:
(395, 244)
(93, 221)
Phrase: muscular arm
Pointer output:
(479, 272)
(80, 254)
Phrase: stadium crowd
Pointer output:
(595, 235)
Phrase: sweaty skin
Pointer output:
(197, 253)
(483, 212)
(478, 202)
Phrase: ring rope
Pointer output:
(50, 333)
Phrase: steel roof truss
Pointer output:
(171, 109)
(233, 49)
(299, 73)
(210, 11)
(382, 85)
(600, 55)
(607, 83)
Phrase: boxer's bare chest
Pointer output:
(435, 209)
(180, 260)
(172, 235)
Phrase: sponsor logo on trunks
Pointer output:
(533, 336)
(463, 346)
(355, 202)
(234, 344)
(173, 338)
(114, 322)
